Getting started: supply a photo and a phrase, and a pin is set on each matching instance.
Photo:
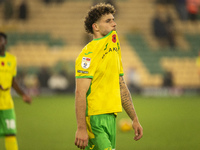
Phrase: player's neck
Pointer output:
(97, 36)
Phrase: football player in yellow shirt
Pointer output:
(101, 91)
(8, 71)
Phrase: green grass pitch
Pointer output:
(170, 123)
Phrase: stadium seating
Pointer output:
(55, 32)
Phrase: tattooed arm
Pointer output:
(128, 106)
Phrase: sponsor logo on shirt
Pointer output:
(106, 47)
(81, 71)
(85, 62)
(114, 49)
(118, 46)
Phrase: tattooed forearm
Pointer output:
(126, 99)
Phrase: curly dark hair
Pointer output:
(95, 13)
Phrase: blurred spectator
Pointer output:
(8, 9)
(58, 82)
(163, 27)
(168, 80)
(180, 6)
(193, 9)
(43, 77)
(134, 81)
(23, 10)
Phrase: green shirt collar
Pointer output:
(103, 37)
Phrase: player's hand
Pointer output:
(27, 99)
(81, 139)
(138, 130)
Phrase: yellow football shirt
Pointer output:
(7, 72)
(100, 60)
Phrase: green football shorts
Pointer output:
(7, 122)
(101, 131)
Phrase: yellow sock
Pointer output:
(11, 143)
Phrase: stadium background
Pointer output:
(52, 37)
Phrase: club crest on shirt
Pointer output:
(85, 62)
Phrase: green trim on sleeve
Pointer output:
(121, 74)
(91, 77)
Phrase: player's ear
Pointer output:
(95, 27)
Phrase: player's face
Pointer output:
(2, 44)
(106, 24)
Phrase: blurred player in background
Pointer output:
(100, 87)
(8, 72)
